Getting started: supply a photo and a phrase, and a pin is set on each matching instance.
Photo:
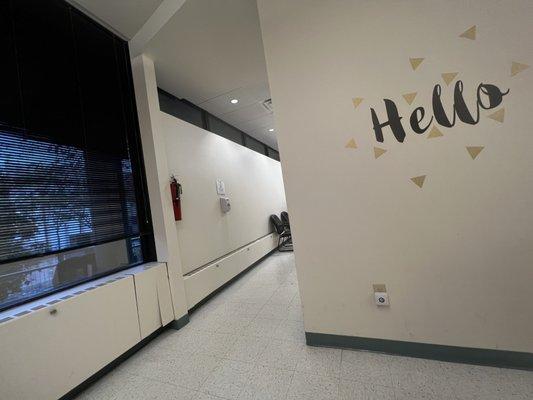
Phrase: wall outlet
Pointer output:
(381, 299)
(379, 287)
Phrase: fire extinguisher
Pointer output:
(176, 191)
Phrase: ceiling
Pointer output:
(125, 17)
(211, 52)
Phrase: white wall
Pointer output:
(155, 163)
(456, 255)
(253, 183)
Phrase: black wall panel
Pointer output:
(224, 129)
(180, 109)
(273, 153)
(255, 145)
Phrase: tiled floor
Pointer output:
(248, 343)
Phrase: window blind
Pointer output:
(73, 203)
(57, 197)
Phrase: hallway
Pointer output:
(248, 343)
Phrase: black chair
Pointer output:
(284, 234)
(285, 219)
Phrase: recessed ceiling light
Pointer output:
(271, 130)
(234, 101)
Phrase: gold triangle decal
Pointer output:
(517, 67)
(449, 77)
(470, 33)
(409, 97)
(378, 152)
(356, 101)
(419, 180)
(498, 115)
(351, 144)
(434, 133)
(474, 151)
(415, 62)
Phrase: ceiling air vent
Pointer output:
(268, 105)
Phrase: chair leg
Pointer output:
(284, 242)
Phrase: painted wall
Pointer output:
(156, 167)
(456, 253)
(253, 183)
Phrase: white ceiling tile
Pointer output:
(210, 52)
(246, 96)
(265, 121)
(244, 114)
(124, 16)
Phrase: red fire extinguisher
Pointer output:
(176, 191)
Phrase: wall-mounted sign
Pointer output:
(221, 187)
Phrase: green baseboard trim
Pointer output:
(465, 355)
(180, 322)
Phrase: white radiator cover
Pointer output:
(45, 355)
(199, 284)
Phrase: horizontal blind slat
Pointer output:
(55, 196)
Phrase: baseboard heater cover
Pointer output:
(226, 256)
(205, 280)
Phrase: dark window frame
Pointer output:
(135, 156)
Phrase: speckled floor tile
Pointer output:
(426, 377)
(228, 379)
(290, 330)
(235, 325)
(262, 327)
(305, 387)
(218, 345)
(366, 367)
(265, 383)
(248, 343)
(247, 348)
(320, 361)
(274, 311)
(295, 312)
(187, 341)
(353, 390)
(108, 387)
(145, 389)
(281, 354)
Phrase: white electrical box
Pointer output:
(381, 298)
(225, 205)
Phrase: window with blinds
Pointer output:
(72, 201)
(57, 197)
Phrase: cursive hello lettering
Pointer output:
(488, 97)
